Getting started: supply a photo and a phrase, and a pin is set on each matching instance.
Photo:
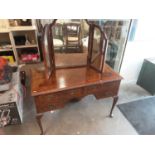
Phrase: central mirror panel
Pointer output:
(70, 42)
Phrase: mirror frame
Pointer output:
(48, 35)
(51, 52)
(89, 43)
(102, 49)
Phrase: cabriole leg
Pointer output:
(115, 99)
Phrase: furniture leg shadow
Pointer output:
(38, 118)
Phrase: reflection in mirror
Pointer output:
(70, 39)
(97, 49)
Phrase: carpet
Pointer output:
(141, 114)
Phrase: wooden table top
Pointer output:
(69, 78)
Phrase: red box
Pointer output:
(29, 57)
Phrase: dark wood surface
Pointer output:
(72, 83)
(55, 87)
(64, 79)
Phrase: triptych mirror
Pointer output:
(73, 43)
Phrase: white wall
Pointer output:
(136, 51)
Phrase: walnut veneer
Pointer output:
(70, 83)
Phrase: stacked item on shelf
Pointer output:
(9, 58)
(5, 74)
(20, 22)
(29, 57)
(5, 45)
(27, 48)
(6, 50)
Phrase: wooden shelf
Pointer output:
(5, 50)
(22, 28)
(29, 62)
(4, 31)
(8, 33)
(26, 46)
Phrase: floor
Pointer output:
(86, 117)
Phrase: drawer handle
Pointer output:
(72, 93)
(50, 97)
(108, 93)
(51, 106)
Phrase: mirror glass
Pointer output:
(117, 32)
(96, 49)
(70, 40)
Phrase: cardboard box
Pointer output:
(9, 114)
(11, 103)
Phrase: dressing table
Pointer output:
(72, 75)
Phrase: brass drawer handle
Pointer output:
(72, 93)
(52, 106)
(108, 93)
(50, 97)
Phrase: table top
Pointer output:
(69, 78)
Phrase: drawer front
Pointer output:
(57, 100)
(109, 89)
(43, 106)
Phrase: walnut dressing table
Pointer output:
(67, 84)
(53, 88)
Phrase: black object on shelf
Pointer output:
(28, 50)
(146, 77)
(20, 40)
(8, 53)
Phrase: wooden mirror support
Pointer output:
(48, 54)
(98, 48)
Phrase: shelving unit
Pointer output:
(23, 28)
(19, 38)
(6, 49)
(26, 46)
(29, 62)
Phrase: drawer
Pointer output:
(43, 104)
(104, 90)
(57, 100)
(93, 88)
(70, 93)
